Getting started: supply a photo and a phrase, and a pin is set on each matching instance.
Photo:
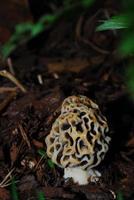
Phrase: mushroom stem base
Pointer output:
(80, 176)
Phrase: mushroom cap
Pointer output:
(79, 136)
(80, 101)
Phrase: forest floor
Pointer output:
(68, 59)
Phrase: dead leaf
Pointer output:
(72, 65)
(4, 194)
(37, 144)
(14, 152)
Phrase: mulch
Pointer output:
(69, 59)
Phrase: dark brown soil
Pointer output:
(69, 58)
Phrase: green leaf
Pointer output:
(7, 49)
(42, 23)
(48, 18)
(120, 196)
(14, 192)
(22, 31)
(87, 3)
(41, 152)
(41, 196)
(51, 164)
(127, 45)
(23, 27)
(116, 22)
(28, 30)
(37, 29)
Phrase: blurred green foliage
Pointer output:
(126, 46)
(115, 22)
(41, 196)
(26, 31)
(14, 193)
(43, 154)
(87, 3)
(120, 195)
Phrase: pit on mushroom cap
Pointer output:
(79, 138)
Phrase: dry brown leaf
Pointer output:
(72, 65)
(37, 144)
(4, 194)
(14, 152)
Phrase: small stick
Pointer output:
(8, 183)
(8, 75)
(24, 135)
(39, 77)
(55, 75)
(37, 165)
(9, 63)
(7, 89)
(6, 180)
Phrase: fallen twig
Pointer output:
(8, 75)
(7, 179)
(24, 135)
(7, 89)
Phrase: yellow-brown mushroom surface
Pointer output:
(79, 136)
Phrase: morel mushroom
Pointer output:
(79, 139)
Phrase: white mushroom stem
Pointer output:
(80, 176)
